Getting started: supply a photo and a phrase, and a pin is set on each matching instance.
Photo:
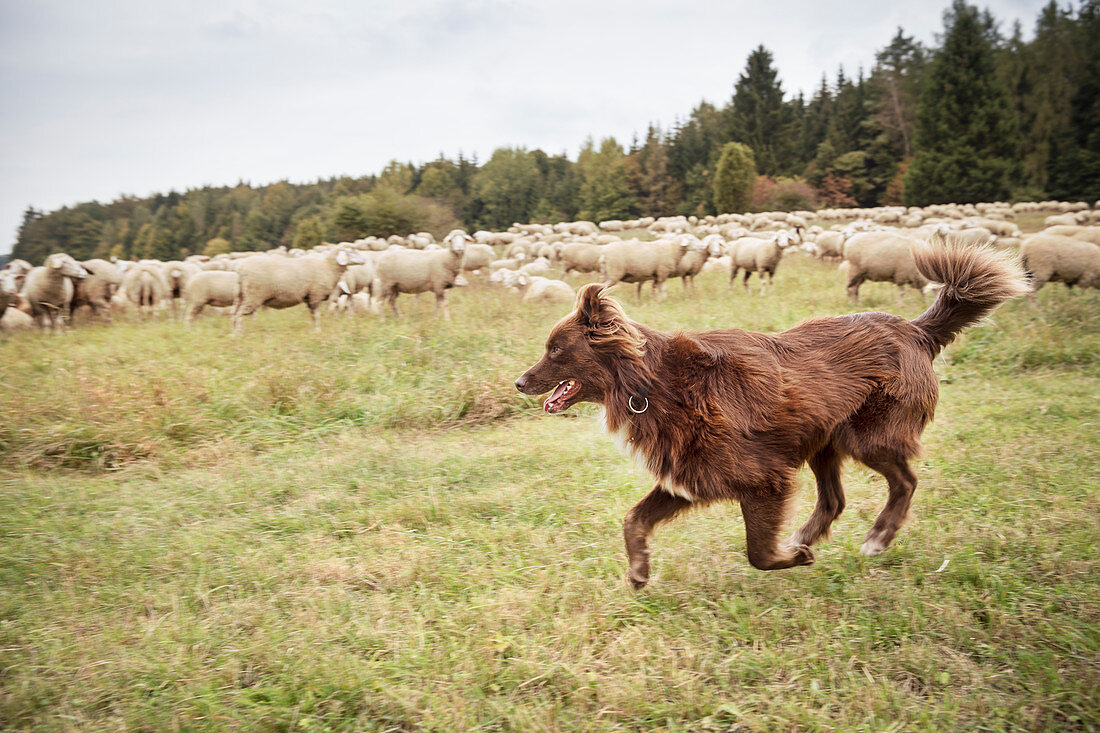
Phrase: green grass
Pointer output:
(370, 529)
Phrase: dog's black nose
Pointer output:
(521, 383)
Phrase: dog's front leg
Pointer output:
(658, 506)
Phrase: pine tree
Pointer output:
(758, 116)
(605, 193)
(733, 178)
(966, 149)
(1075, 172)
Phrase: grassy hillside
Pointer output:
(369, 529)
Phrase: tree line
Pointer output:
(980, 116)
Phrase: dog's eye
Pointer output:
(555, 351)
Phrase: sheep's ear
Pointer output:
(342, 259)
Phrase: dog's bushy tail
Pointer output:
(976, 279)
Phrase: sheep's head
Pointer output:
(8, 286)
(457, 241)
(347, 257)
(66, 265)
(782, 238)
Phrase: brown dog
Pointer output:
(731, 414)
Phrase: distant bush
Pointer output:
(782, 194)
(217, 246)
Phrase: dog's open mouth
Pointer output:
(558, 400)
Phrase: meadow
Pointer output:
(370, 529)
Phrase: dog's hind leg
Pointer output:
(657, 506)
(902, 482)
(830, 498)
(764, 516)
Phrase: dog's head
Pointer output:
(591, 352)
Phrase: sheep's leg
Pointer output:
(441, 306)
(853, 287)
(745, 281)
(193, 312)
(392, 299)
(733, 275)
(657, 506)
(764, 516)
(901, 293)
(902, 482)
(830, 498)
(315, 312)
(239, 314)
(639, 290)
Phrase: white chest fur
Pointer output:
(626, 445)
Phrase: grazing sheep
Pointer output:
(755, 254)
(478, 257)
(216, 288)
(145, 287)
(577, 257)
(640, 262)
(409, 271)
(512, 264)
(881, 257)
(697, 254)
(973, 236)
(284, 282)
(1060, 220)
(355, 280)
(176, 275)
(1068, 260)
(8, 289)
(49, 289)
(539, 268)
(1087, 234)
(95, 291)
(536, 289)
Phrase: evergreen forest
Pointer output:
(982, 115)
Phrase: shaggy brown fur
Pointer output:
(730, 414)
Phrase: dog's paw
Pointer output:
(802, 555)
(637, 580)
(872, 545)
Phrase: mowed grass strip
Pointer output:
(370, 530)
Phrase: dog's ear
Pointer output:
(589, 299)
(607, 326)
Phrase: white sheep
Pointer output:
(759, 255)
(217, 288)
(577, 257)
(1072, 261)
(49, 289)
(357, 279)
(282, 282)
(95, 290)
(881, 257)
(1087, 234)
(697, 254)
(409, 271)
(144, 285)
(8, 289)
(641, 262)
(534, 288)
(478, 257)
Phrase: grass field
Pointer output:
(369, 529)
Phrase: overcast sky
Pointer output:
(141, 96)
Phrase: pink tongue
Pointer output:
(555, 395)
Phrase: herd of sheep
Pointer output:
(533, 261)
